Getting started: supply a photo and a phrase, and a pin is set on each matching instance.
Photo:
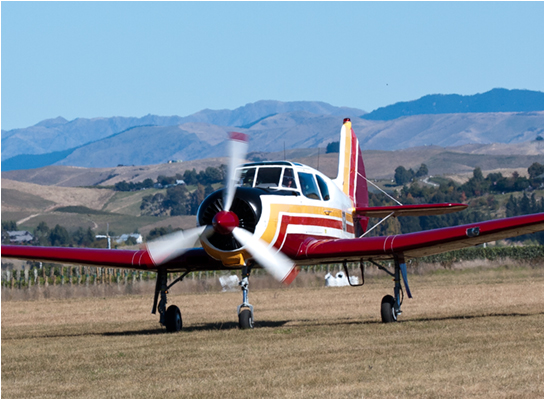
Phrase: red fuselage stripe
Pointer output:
(315, 221)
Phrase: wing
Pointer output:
(411, 245)
(192, 260)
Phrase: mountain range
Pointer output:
(498, 116)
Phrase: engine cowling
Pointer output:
(246, 206)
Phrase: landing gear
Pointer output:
(170, 318)
(390, 306)
(245, 311)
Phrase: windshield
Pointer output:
(308, 185)
(268, 177)
(288, 180)
(247, 177)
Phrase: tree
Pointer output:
(535, 170)
(402, 176)
(196, 198)
(156, 232)
(41, 234)
(176, 200)
(208, 190)
(422, 171)
(147, 184)
(122, 186)
(213, 175)
(59, 236)
(9, 225)
(478, 174)
(191, 177)
(166, 180)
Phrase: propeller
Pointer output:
(171, 246)
(226, 222)
(277, 264)
(238, 145)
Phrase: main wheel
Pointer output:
(387, 310)
(245, 320)
(173, 319)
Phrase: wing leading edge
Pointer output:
(194, 259)
(418, 244)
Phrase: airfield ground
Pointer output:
(475, 333)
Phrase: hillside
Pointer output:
(379, 164)
(58, 134)
(153, 145)
(498, 116)
(29, 204)
(496, 100)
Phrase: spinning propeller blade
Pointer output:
(238, 145)
(277, 264)
(171, 246)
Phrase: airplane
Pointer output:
(280, 215)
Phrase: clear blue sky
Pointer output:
(101, 59)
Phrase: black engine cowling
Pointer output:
(246, 205)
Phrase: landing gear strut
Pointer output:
(170, 318)
(245, 311)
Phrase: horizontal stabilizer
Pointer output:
(410, 210)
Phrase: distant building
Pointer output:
(20, 236)
(123, 238)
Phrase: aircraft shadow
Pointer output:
(458, 317)
(225, 326)
(213, 326)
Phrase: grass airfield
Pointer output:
(470, 333)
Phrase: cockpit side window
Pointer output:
(288, 180)
(247, 177)
(308, 185)
(268, 177)
(323, 187)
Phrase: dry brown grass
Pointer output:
(466, 334)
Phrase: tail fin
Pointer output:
(351, 174)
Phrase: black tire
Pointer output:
(173, 319)
(245, 320)
(387, 311)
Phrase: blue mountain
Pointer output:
(495, 100)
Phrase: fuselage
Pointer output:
(276, 200)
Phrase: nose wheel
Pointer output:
(245, 311)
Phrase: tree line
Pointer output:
(205, 177)
(478, 191)
(177, 201)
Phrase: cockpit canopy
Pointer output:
(283, 175)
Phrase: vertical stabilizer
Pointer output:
(351, 173)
